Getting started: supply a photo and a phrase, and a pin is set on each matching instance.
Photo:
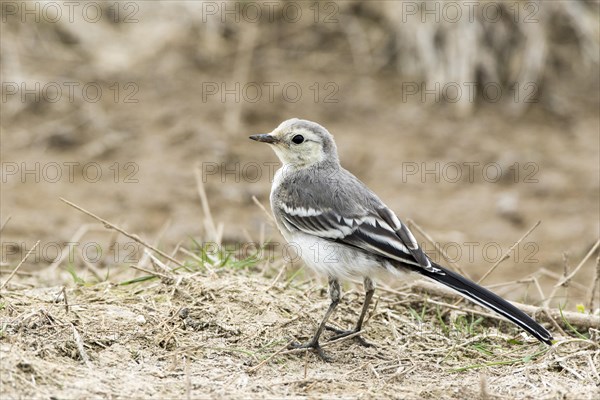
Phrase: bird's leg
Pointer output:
(369, 290)
(334, 294)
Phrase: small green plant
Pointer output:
(416, 315)
(137, 280)
(76, 279)
(223, 256)
(440, 319)
(523, 360)
(466, 325)
(571, 327)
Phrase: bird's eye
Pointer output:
(298, 139)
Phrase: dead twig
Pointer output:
(64, 293)
(507, 254)
(565, 283)
(242, 68)
(593, 369)
(161, 232)
(262, 207)
(188, 378)
(156, 263)
(437, 247)
(266, 360)
(80, 348)
(154, 273)
(536, 282)
(483, 387)
(543, 271)
(209, 223)
(135, 238)
(5, 222)
(199, 259)
(112, 243)
(19, 265)
(82, 230)
(277, 277)
(554, 323)
(8, 271)
(578, 267)
(595, 284)
(95, 271)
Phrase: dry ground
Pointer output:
(204, 334)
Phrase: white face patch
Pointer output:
(304, 154)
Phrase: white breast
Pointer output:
(336, 260)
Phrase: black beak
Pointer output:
(265, 137)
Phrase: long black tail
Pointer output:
(487, 299)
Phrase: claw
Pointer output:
(343, 333)
(336, 330)
(315, 347)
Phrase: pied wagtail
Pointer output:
(343, 230)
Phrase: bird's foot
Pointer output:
(314, 346)
(343, 333)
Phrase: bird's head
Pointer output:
(300, 143)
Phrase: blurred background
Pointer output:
(473, 119)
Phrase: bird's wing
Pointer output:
(375, 229)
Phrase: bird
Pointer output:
(341, 229)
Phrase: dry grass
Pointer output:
(218, 327)
(138, 337)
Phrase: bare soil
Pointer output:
(205, 336)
